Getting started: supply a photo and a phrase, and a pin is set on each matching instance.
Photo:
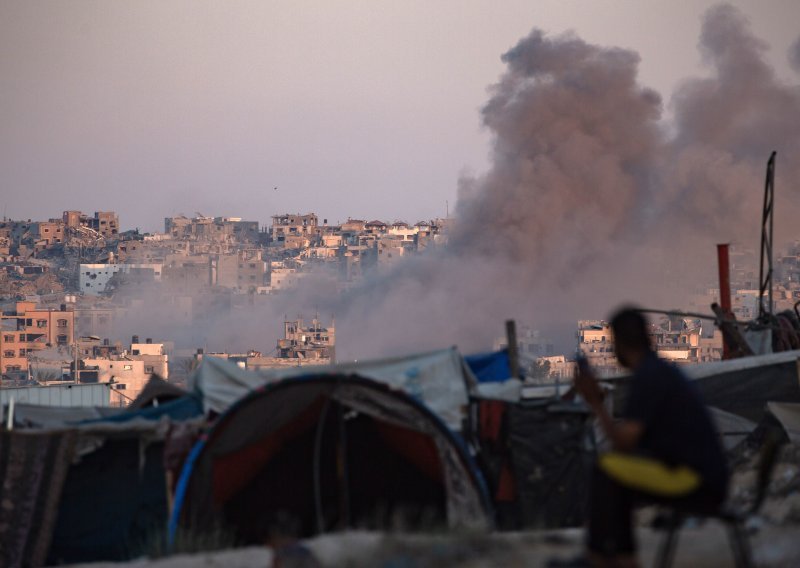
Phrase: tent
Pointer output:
(86, 484)
(114, 504)
(325, 452)
(439, 379)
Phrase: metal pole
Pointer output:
(765, 271)
(75, 369)
(723, 266)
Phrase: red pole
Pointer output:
(724, 289)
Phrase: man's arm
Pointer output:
(624, 435)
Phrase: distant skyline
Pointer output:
(249, 109)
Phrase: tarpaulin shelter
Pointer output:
(328, 451)
(114, 501)
(552, 451)
(536, 455)
(85, 484)
(440, 379)
(741, 386)
(491, 367)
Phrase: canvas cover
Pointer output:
(788, 414)
(740, 386)
(439, 379)
(257, 428)
(731, 427)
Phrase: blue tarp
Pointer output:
(183, 408)
(490, 367)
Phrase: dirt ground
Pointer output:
(775, 538)
(702, 546)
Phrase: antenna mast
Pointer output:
(765, 272)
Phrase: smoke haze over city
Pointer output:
(598, 187)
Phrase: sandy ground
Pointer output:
(775, 538)
(702, 546)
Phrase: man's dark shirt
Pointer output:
(677, 425)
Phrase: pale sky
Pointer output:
(367, 109)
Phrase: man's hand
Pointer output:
(587, 386)
(624, 435)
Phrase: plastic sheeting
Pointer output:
(490, 367)
(439, 379)
(788, 414)
(740, 386)
(732, 428)
(552, 453)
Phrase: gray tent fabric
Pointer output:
(739, 386)
(440, 379)
(788, 414)
(733, 428)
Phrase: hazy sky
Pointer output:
(350, 108)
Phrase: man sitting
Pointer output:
(666, 448)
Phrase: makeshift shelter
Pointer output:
(739, 386)
(536, 455)
(114, 500)
(327, 452)
(86, 484)
(439, 379)
(33, 467)
(552, 452)
(157, 391)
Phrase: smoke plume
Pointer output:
(591, 199)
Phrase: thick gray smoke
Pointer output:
(794, 55)
(591, 200)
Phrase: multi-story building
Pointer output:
(301, 345)
(596, 343)
(307, 342)
(28, 329)
(293, 231)
(93, 279)
(676, 339)
(128, 370)
(104, 223)
(215, 229)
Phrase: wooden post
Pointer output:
(513, 353)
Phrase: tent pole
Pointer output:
(316, 465)
(341, 451)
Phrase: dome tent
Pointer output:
(324, 453)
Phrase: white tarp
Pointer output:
(788, 414)
(439, 379)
